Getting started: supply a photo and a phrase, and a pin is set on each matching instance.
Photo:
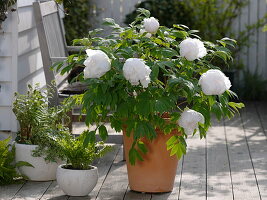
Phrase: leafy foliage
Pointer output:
(214, 19)
(174, 83)
(80, 152)
(8, 173)
(4, 6)
(77, 18)
(40, 124)
(254, 86)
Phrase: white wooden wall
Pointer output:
(253, 57)
(30, 66)
(8, 73)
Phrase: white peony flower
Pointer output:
(148, 35)
(135, 70)
(192, 49)
(151, 25)
(189, 120)
(214, 82)
(97, 64)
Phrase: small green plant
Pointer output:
(8, 173)
(40, 124)
(254, 86)
(80, 152)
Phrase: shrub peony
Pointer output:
(214, 82)
(192, 49)
(97, 64)
(189, 120)
(151, 25)
(135, 70)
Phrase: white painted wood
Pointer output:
(5, 69)
(243, 178)
(219, 184)
(253, 39)
(26, 19)
(193, 181)
(262, 41)
(49, 8)
(257, 142)
(5, 39)
(6, 93)
(36, 77)
(27, 41)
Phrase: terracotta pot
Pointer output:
(157, 172)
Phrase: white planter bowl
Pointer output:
(42, 170)
(77, 182)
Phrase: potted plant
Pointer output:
(78, 177)
(40, 129)
(158, 85)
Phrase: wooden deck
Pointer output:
(230, 164)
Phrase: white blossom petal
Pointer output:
(148, 35)
(214, 82)
(96, 64)
(189, 120)
(135, 70)
(151, 25)
(192, 49)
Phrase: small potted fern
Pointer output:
(40, 130)
(78, 177)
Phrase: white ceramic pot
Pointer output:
(77, 182)
(42, 171)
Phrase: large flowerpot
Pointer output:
(42, 170)
(157, 172)
(77, 182)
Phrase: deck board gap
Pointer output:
(249, 153)
(228, 157)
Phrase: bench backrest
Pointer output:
(52, 41)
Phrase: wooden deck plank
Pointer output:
(54, 192)
(103, 166)
(219, 185)
(193, 181)
(32, 190)
(131, 195)
(243, 178)
(9, 191)
(261, 108)
(176, 188)
(257, 142)
(115, 185)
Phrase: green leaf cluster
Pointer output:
(174, 84)
(80, 152)
(8, 173)
(41, 124)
